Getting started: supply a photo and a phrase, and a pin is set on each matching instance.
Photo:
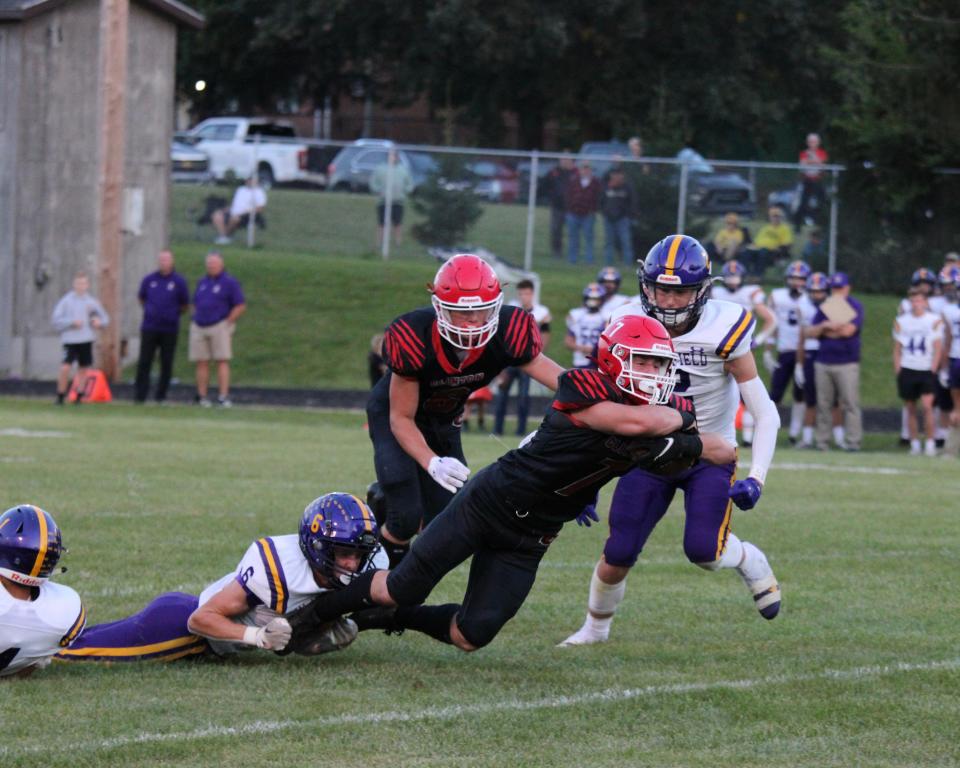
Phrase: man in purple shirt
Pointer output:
(837, 368)
(164, 296)
(217, 303)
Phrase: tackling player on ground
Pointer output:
(601, 424)
(712, 340)
(38, 617)
(437, 357)
(245, 609)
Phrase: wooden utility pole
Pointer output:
(114, 16)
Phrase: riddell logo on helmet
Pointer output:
(671, 279)
(469, 300)
(21, 579)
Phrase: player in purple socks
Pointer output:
(245, 609)
(715, 367)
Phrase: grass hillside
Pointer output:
(317, 291)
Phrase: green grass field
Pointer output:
(317, 292)
(861, 668)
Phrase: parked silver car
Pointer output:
(189, 165)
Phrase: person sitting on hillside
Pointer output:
(772, 243)
(730, 239)
(248, 199)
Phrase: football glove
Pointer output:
(272, 637)
(685, 406)
(798, 376)
(770, 360)
(746, 493)
(588, 516)
(448, 472)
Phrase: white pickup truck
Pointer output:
(232, 144)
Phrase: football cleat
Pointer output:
(584, 636)
(758, 576)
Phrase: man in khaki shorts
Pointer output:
(217, 303)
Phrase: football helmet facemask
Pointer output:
(818, 286)
(30, 545)
(467, 299)
(593, 296)
(338, 521)
(796, 276)
(677, 263)
(624, 352)
(733, 273)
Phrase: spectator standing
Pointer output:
(837, 324)
(77, 317)
(217, 303)
(772, 243)
(815, 250)
(164, 296)
(582, 202)
(401, 185)
(917, 350)
(559, 180)
(541, 316)
(249, 199)
(617, 204)
(811, 180)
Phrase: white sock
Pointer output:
(838, 435)
(941, 433)
(904, 428)
(604, 599)
(797, 412)
(754, 565)
(733, 554)
(915, 445)
(930, 447)
(808, 435)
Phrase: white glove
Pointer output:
(448, 472)
(273, 637)
(944, 377)
(769, 361)
(798, 377)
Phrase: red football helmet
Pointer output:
(634, 336)
(467, 299)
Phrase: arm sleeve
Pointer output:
(767, 419)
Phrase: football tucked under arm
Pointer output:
(332, 636)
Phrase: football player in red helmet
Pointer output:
(602, 423)
(437, 357)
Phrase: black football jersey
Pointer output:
(414, 348)
(561, 469)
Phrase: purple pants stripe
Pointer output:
(158, 632)
(641, 499)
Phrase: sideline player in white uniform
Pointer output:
(950, 370)
(712, 341)
(584, 325)
(245, 608)
(787, 304)
(917, 348)
(818, 288)
(38, 617)
(609, 279)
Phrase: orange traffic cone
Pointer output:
(738, 421)
(95, 388)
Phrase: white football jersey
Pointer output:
(917, 336)
(787, 310)
(611, 305)
(935, 304)
(722, 333)
(540, 313)
(585, 327)
(807, 312)
(747, 296)
(951, 320)
(275, 574)
(34, 630)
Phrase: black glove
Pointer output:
(676, 451)
(684, 405)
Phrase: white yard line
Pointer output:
(19, 432)
(611, 695)
(799, 467)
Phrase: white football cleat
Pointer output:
(584, 636)
(758, 576)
